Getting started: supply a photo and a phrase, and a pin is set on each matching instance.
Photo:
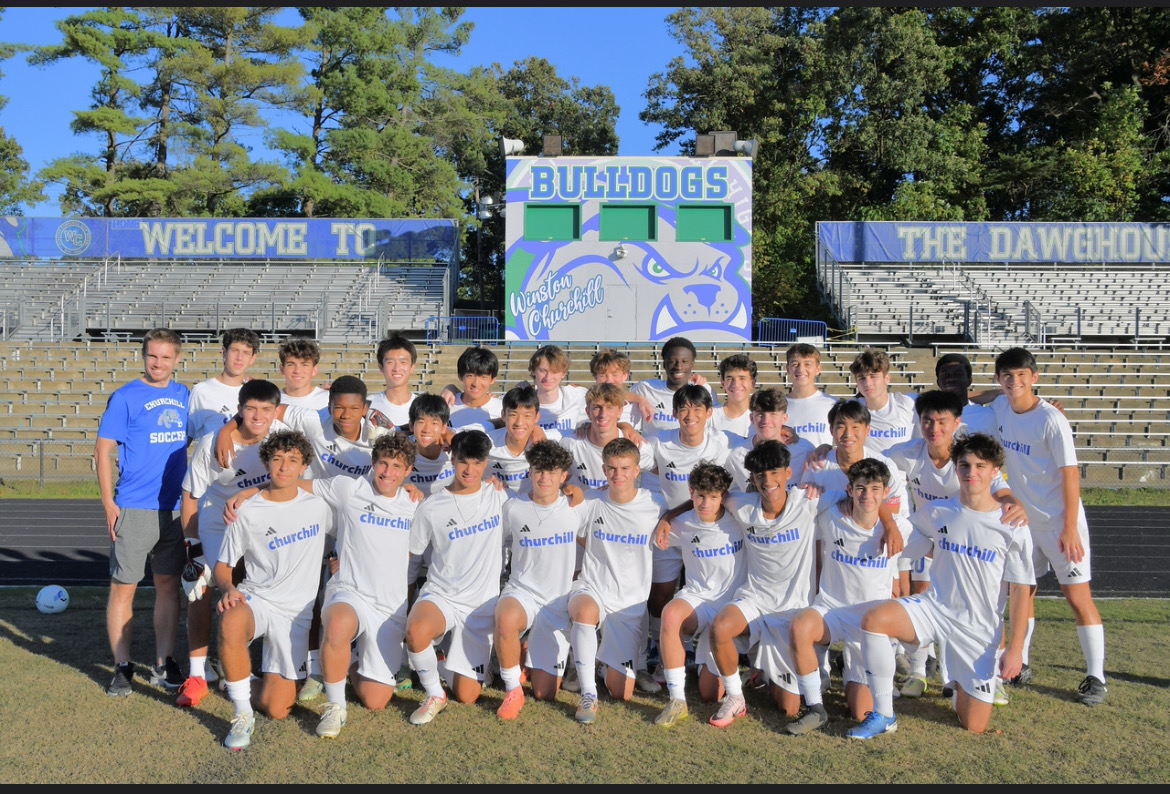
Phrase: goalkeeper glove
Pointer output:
(196, 573)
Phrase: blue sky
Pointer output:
(618, 47)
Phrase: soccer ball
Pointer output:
(52, 599)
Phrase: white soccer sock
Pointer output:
(335, 692)
(918, 661)
(315, 663)
(510, 677)
(426, 664)
(676, 682)
(240, 693)
(1093, 647)
(583, 638)
(879, 670)
(198, 667)
(810, 687)
(732, 686)
(1028, 639)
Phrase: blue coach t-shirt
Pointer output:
(150, 426)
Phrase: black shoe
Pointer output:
(168, 674)
(1024, 678)
(948, 692)
(1092, 691)
(120, 685)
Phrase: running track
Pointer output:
(65, 542)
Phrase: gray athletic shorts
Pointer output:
(143, 533)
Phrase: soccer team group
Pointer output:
(569, 537)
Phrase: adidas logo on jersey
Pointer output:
(581, 467)
(599, 520)
(498, 466)
(916, 481)
(270, 532)
(369, 508)
(942, 530)
(839, 542)
(660, 407)
(695, 539)
(240, 472)
(670, 465)
(525, 528)
(751, 530)
(452, 523)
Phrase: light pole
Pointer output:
(486, 208)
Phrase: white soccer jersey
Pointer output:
(316, 400)
(212, 404)
(896, 422)
(333, 455)
(543, 540)
(780, 551)
(282, 545)
(618, 563)
(809, 417)
(399, 415)
(564, 414)
(740, 426)
(588, 471)
(925, 482)
(212, 485)
(741, 476)
(675, 462)
(373, 540)
(511, 470)
(978, 419)
(431, 475)
(662, 404)
(854, 565)
(481, 418)
(466, 540)
(713, 555)
(1037, 444)
(974, 554)
(832, 478)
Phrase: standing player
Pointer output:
(541, 529)
(610, 593)
(712, 543)
(603, 406)
(769, 418)
(613, 366)
(299, 358)
(461, 525)
(891, 414)
(476, 406)
(808, 406)
(145, 421)
(737, 375)
(975, 554)
(396, 357)
(214, 401)
(1042, 463)
(562, 405)
(678, 364)
(953, 373)
(280, 536)
(206, 490)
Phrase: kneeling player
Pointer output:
(974, 553)
(280, 535)
(712, 542)
(541, 528)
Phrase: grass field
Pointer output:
(66, 730)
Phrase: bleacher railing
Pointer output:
(463, 328)
(780, 330)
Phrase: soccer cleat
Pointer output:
(586, 710)
(915, 687)
(675, 712)
(646, 683)
(240, 735)
(1024, 678)
(513, 702)
(873, 725)
(755, 681)
(194, 689)
(1000, 698)
(426, 712)
(948, 692)
(120, 685)
(332, 721)
(168, 674)
(732, 708)
(314, 687)
(659, 674)
(1092, 691)
(404, 680)
(810, 718)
